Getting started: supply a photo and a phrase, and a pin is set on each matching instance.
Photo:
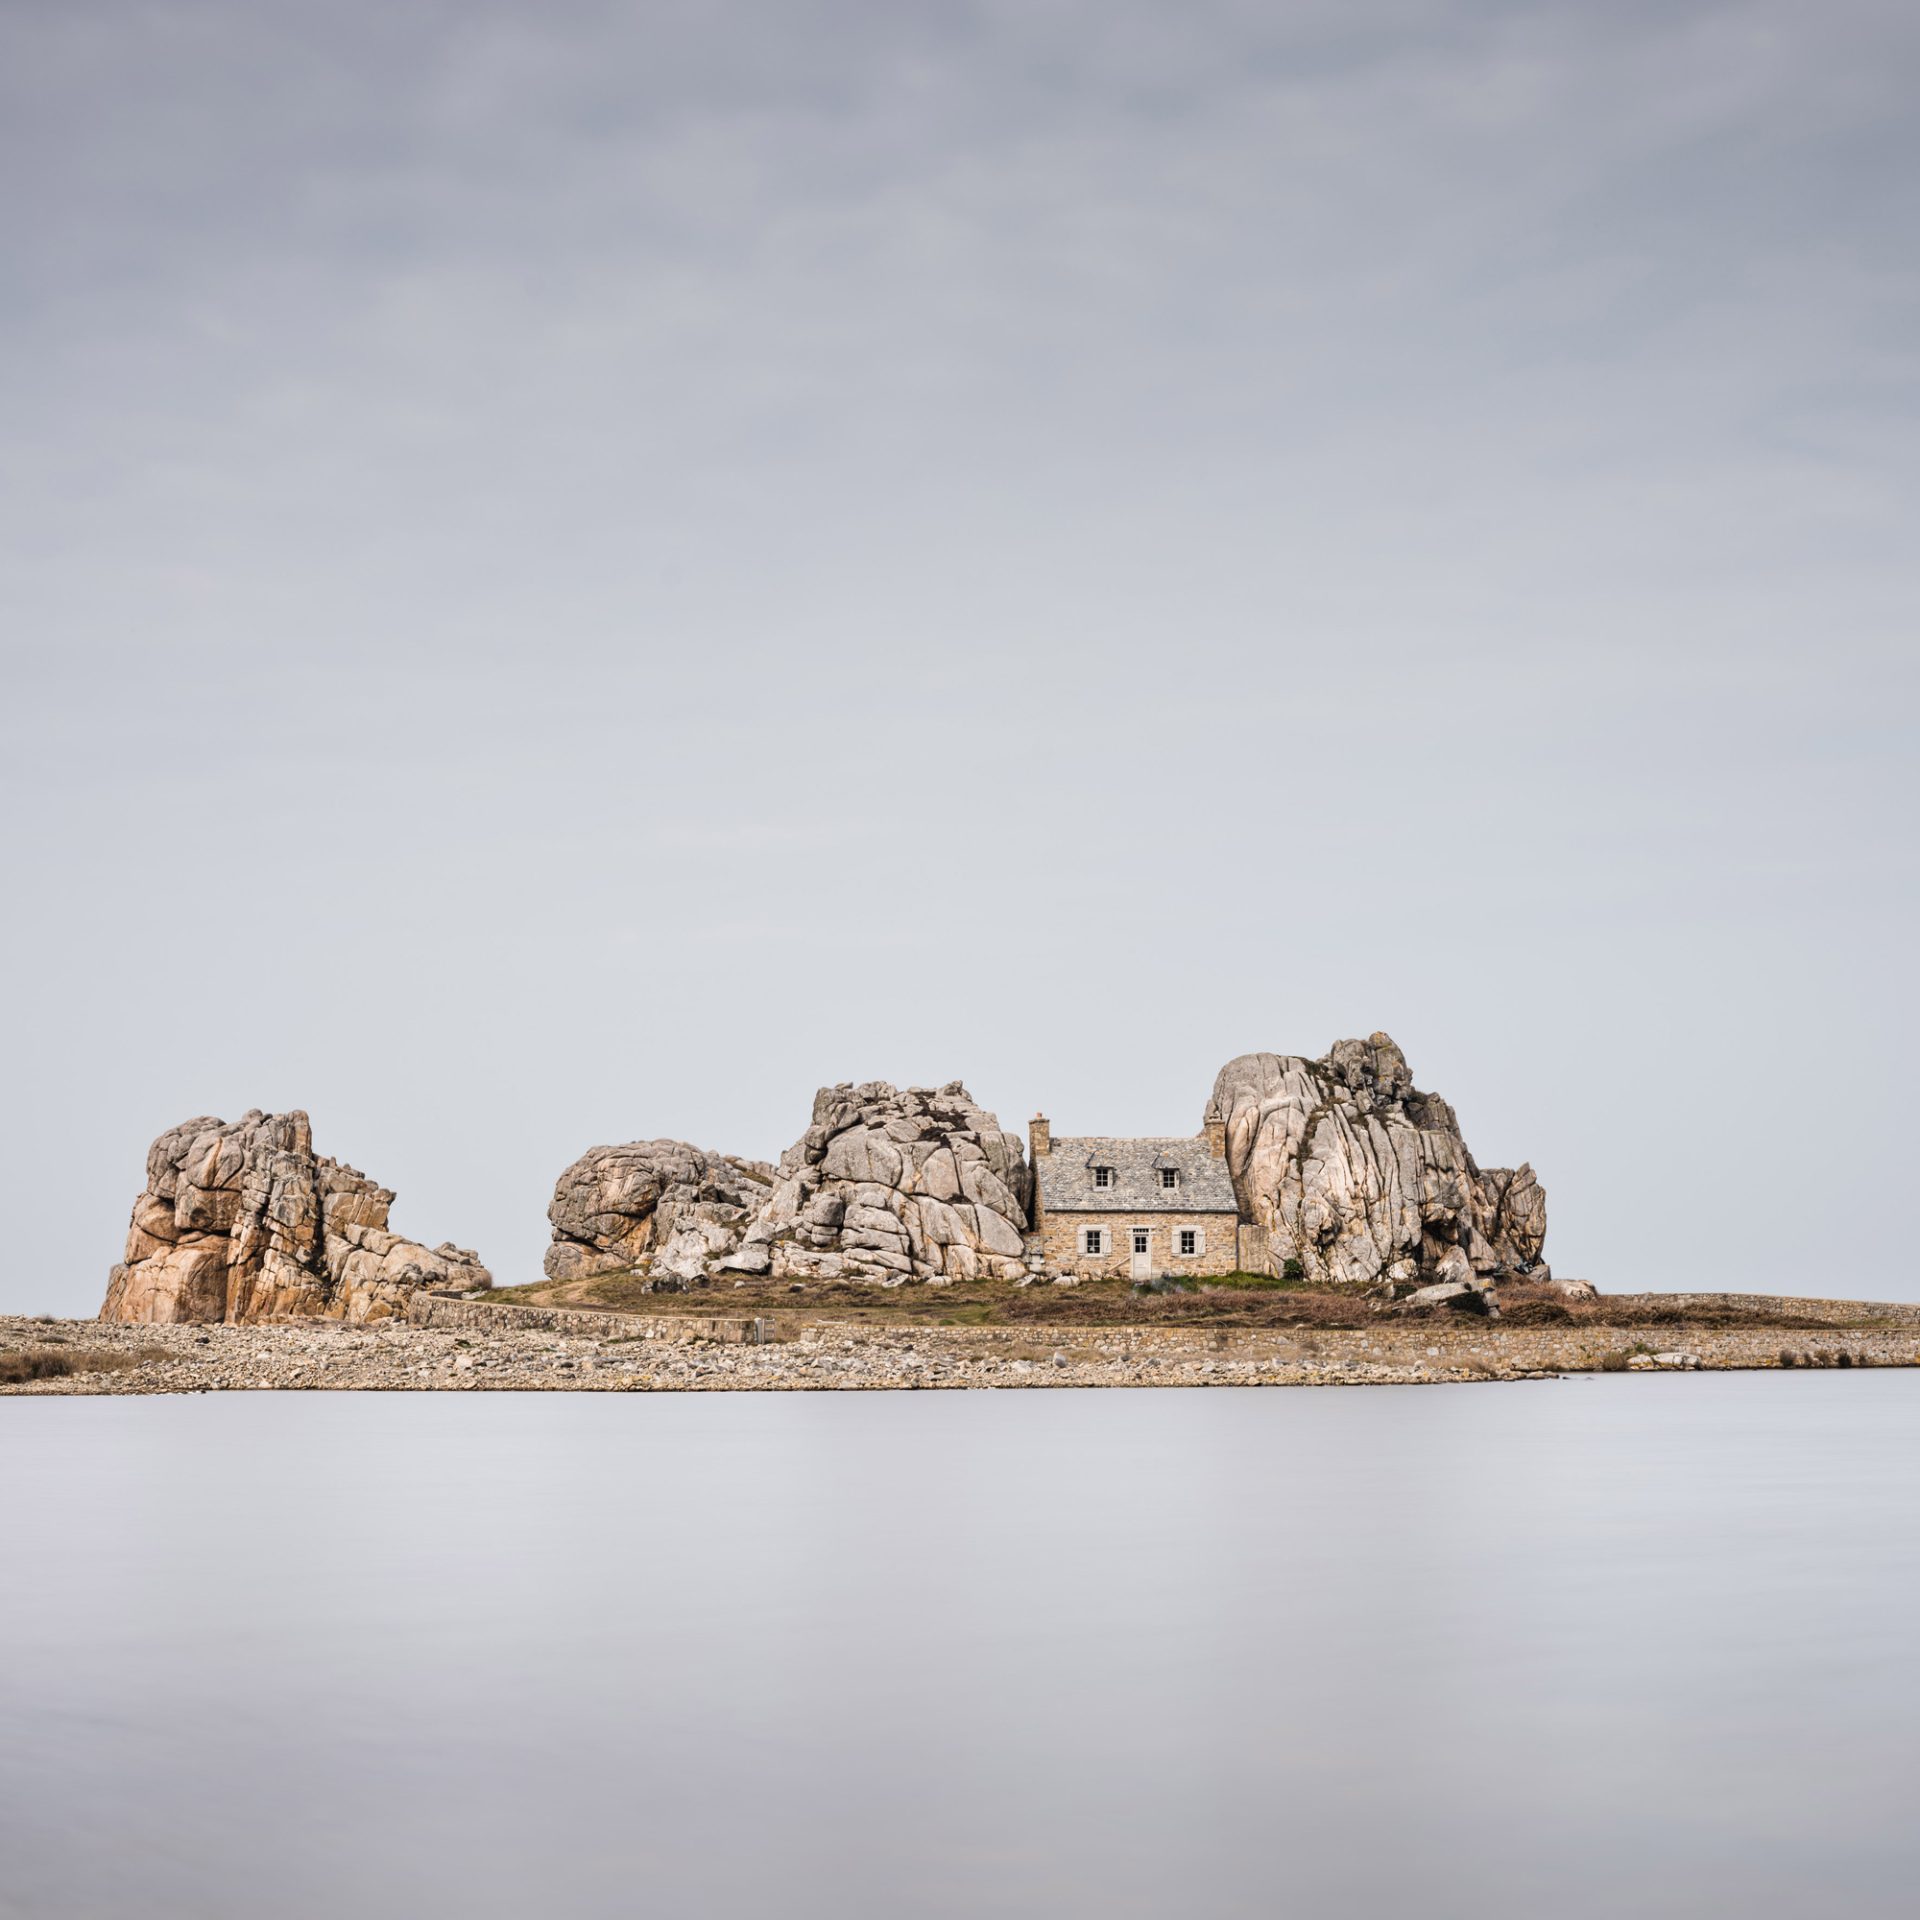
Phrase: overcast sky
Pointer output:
(574, 572)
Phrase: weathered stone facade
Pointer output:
(1063, 1237)
(1117, 1189)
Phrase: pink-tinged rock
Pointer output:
(1359, 1176)
(245, 1222)
(886, 1184)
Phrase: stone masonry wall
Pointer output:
(1060, 1241)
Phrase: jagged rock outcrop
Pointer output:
(655, 1204)
(1360, 1177)
(886, 1185)
(246, 1222)
(894, 1184)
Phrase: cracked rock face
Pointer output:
(1360, 1177)
(887, 1185)
(655, 1204)
(246, 1222)
(894, 1184)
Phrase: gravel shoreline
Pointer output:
(463, 1346)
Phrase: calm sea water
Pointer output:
(1616, 1646)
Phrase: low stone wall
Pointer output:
(446, 1313)
(1774, 1305)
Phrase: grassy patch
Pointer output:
(26, 1364)
(1645, 1311)
(1294, 1282)
(1231, 1299)
(35, 1363)
(628, 1293)
(536, 1293)
(1237, 1299)
(979, 1314)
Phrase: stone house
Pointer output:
(1103, 1206)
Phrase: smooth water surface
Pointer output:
(1596, 1647)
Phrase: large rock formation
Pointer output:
(1360, 1177)
(886, 1185)
(891, 1185)
(1347, 1167)
(660, 1205)
(246, 1222)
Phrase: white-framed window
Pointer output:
(1093, 1240)
(1139, 1239)
(1169, 1177)
(1189, 1241)
(1103, 1176)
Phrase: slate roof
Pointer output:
(1066, 1177)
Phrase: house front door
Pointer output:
(1142, 1256)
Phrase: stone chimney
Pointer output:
(1216, 1132)
(1039, 1136)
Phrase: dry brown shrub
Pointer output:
(1532, 1303)
(1647, 1312)
(1092, 1306)
(25, 1364)
(35, 1363)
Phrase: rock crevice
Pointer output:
(1360, 1177)
(659, 1204)
(886, 1185)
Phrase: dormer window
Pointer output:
(1169, 1177)
(1103, 1176)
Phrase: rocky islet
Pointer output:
(1344, 1172)
(1350, 1174)
(462, 1345)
